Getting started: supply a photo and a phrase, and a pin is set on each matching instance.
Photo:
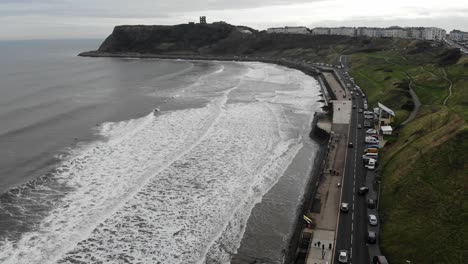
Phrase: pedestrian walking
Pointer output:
(329, 246)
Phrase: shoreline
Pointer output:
(316, 134)
(301, 66)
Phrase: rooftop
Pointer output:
(386, 109)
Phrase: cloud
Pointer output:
(124, 8)
(96, 18)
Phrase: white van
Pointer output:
(371, 140)
(371, 164)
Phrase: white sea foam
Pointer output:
(173, 188)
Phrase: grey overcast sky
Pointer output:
(52, 19)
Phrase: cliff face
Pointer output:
(184, 38)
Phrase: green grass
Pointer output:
(424, 176)
(423, 207)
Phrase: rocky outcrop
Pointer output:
(184, 38)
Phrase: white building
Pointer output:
(433, 33)
(386, 130)
(343, 31)
(395, 32)
(321, 31)
(369, 32)
(289, 30)
(276, 30)
(386, 115)
(458, 35)
(415, 32)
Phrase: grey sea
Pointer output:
(112, 160)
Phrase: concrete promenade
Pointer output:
(325, 206)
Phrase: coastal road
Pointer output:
(352, 226)
(456, 45)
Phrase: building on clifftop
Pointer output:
(289, 30)
(203, 20)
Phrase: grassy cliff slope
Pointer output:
(424, 169)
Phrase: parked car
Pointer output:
(371, 237)
(363, 190)
(371, 203)
(371, 140)
(373, 146)
(344, 207)
(371, 131)
(371, 164)
(343, 256)
(371, 150)
(372, 220)
(367, 124)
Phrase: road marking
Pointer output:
(352, 216)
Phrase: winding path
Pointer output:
(416, 101)
(414, 97)
(450, 87)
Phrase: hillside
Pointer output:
(225, 39)
(424, 169)
(184, 38)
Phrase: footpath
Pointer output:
(324, 209)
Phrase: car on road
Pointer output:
(354, 106)
(371, 203)
(360, 110)
(343, 256)
(350, 144)
(363, 190)
(371, 237)
(344, 207)
(359, 126)
(372, 220)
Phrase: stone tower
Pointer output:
(203, 20)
